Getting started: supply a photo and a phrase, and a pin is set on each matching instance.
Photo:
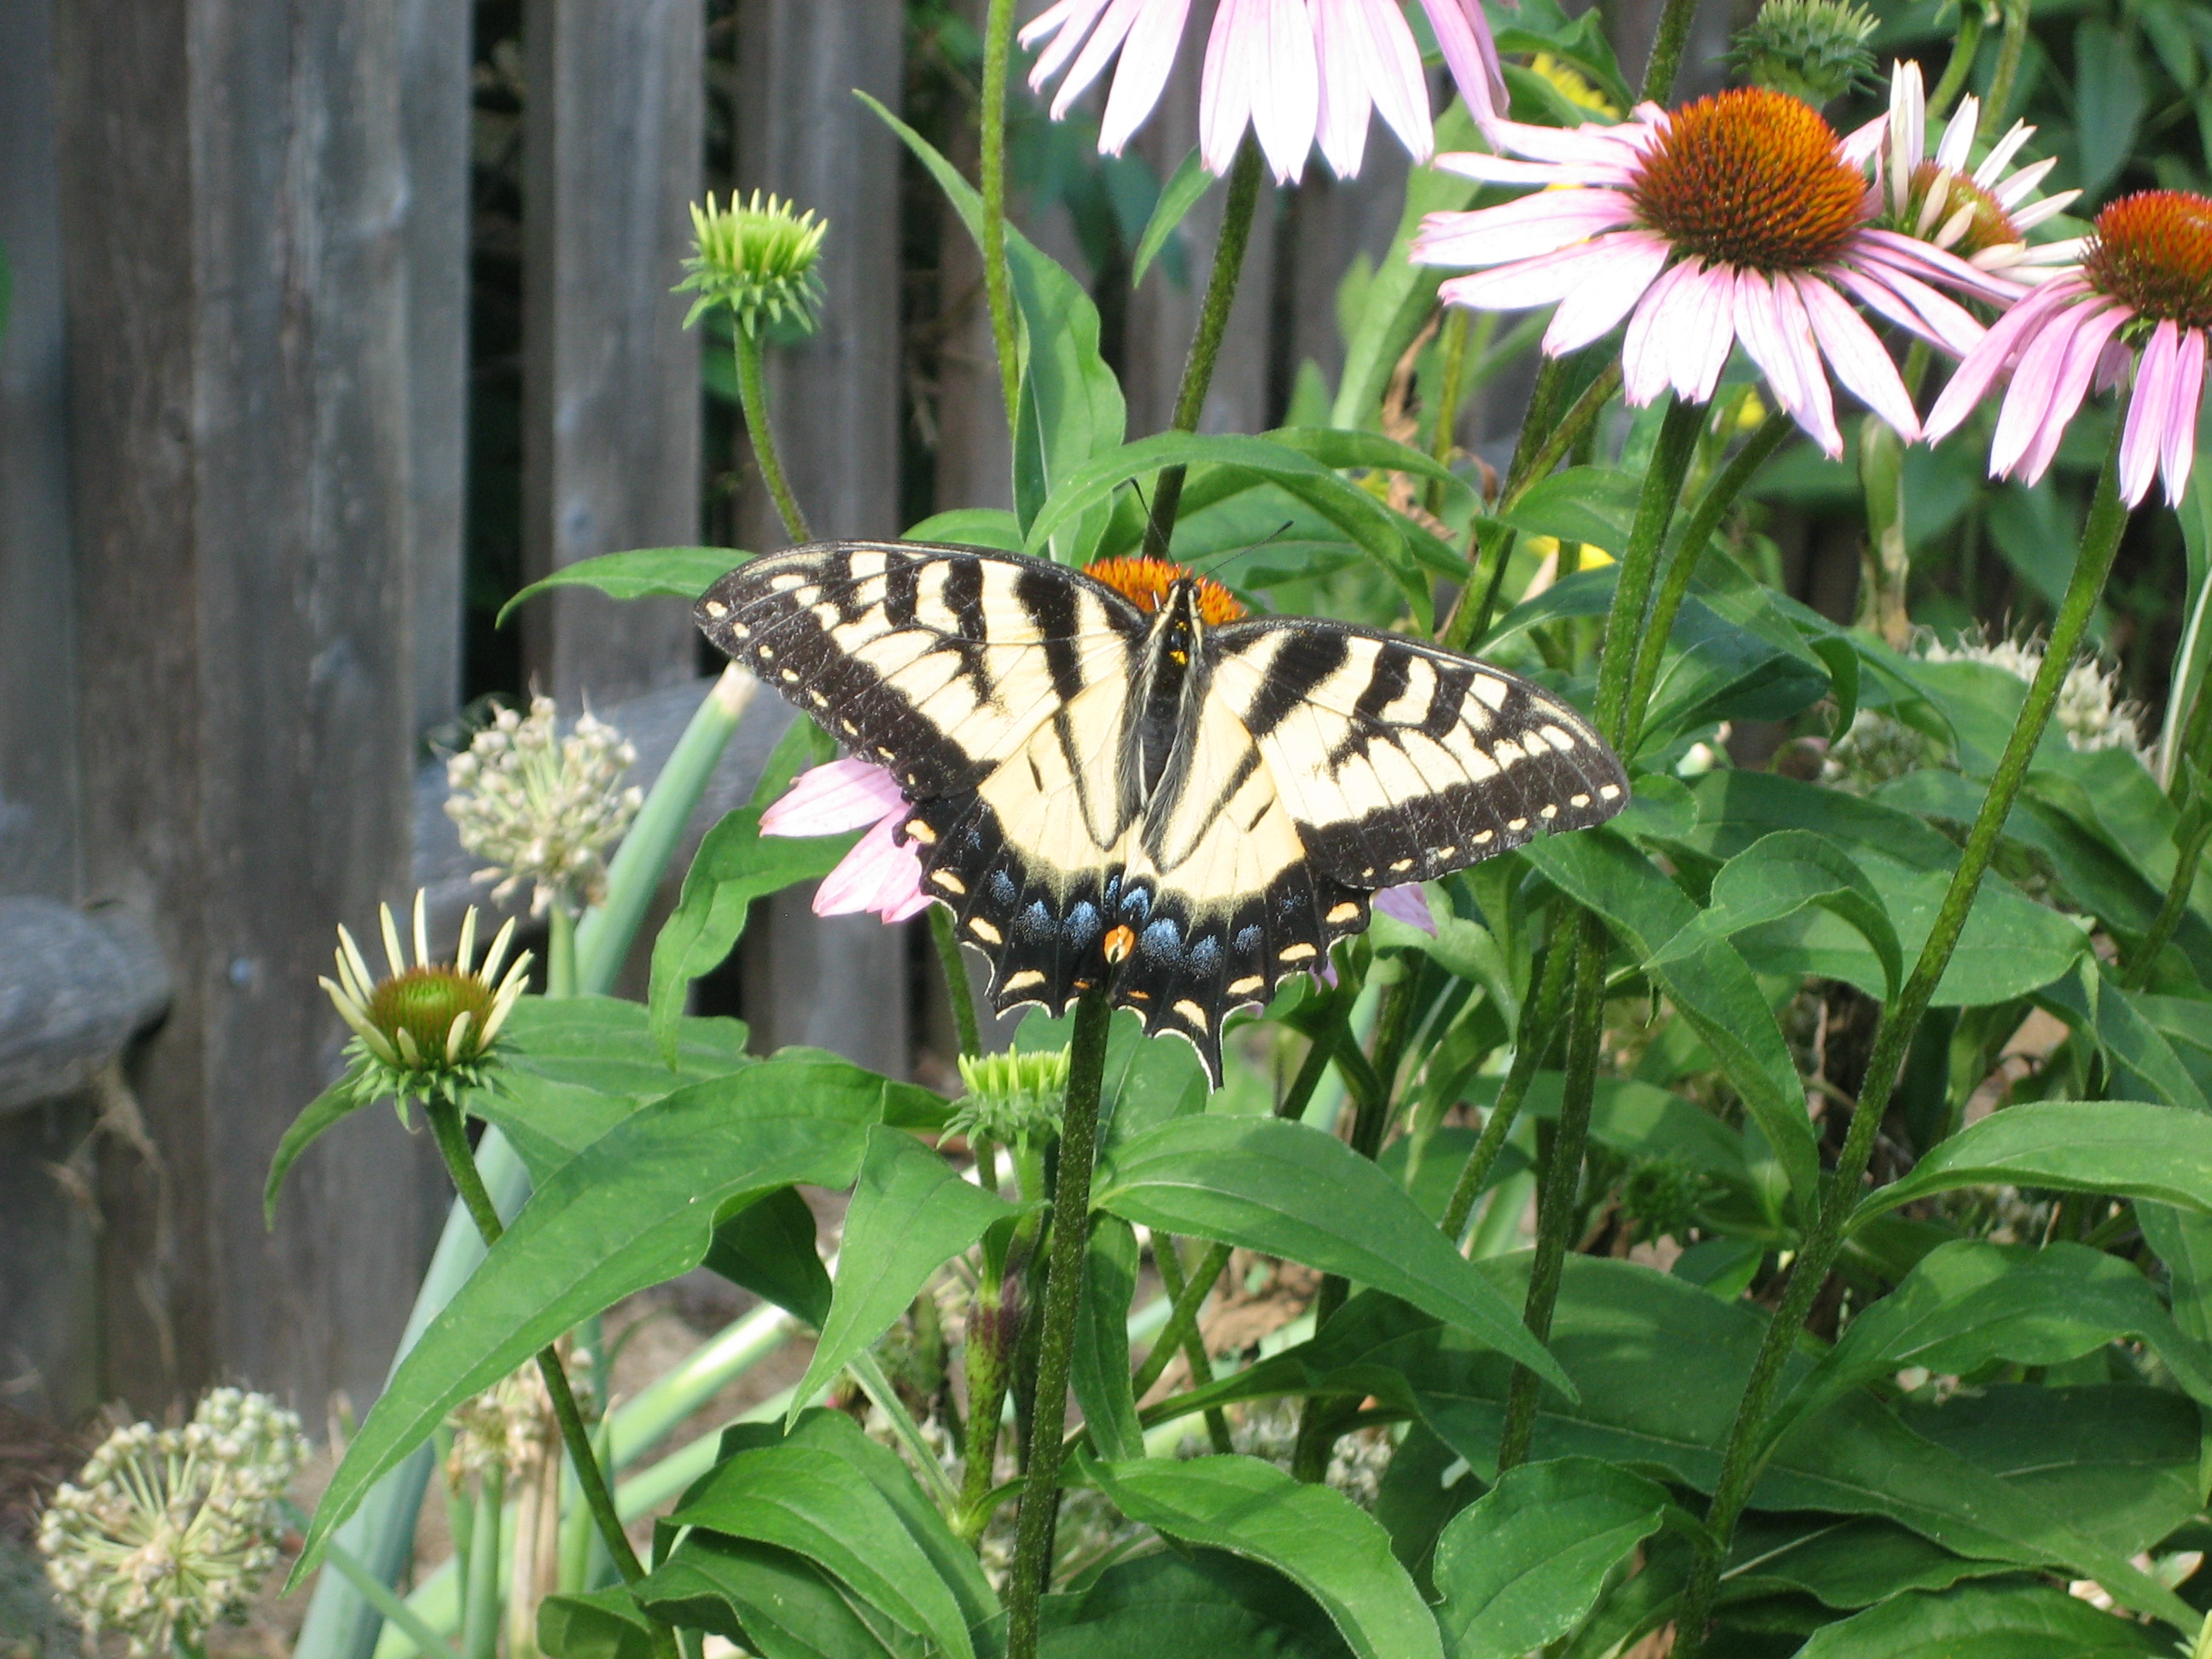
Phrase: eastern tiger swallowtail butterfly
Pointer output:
(1127, 786)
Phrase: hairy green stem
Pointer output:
(1532, 1039)
(2190, 852)
(1964, 50)
(1529, 464)
(2010, 47)
(1237, 212)
(1689, 545)
(998, 54)
(752, 394)
(1063, 1289)
(989, 1371)
(957, 990)
(1452, 346)
(1647, 534)
(1167, 1253)
(451, 1133)
(1666, 61)
(1746, 1447)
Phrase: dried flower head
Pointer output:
(541, 807)
(757, 257)
(1014, 1099)
(512, 1424)
(167, 1531)
(425, 1032)
(2091, 711)
(1815, 49)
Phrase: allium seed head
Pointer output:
(543, 808)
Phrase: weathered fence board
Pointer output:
(610, 378)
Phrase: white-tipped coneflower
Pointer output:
(425, 1030)
(1014, 1099)
(168, 1532)
(541, 808)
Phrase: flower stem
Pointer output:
(957, 991)
(1236, 215)
(1746, 1449)
(452, 1138)
(998, 53)
(1666, 61)
(560, 950)
(2010, 47)
(2189, 855)
(1453, 345)
(480, 1609)
(1167, 1252)
(1532, 1039)
(1963, 53)
(1697, 531)
(1182, 1318)
(752, 393)
(1063, 1289)
(1647, 534)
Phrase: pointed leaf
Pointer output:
(2014, 1621)
(682, 573)
(319, 1114)
(1781, 874)
(1202, 1604)
(2120, 1146)
(774, 1601)
(593, 1624)
(1177, 197)
(1099, 1367)
(769, 1247)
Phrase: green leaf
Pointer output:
(1969, 1301)
(911, 1214)
(769, 1247)
(805, 1499)
(2120, 1146)
(2012, 1620)
(736, 864)
(774, 1601)
(1525, 1563)
(1314, 1535)
(971, 526)
(319, 1114)
(1642, 1121)
(1709, 983)
(1783, 873)
(1594, 505)
(1291, 1190)
(2109, 101)
(1202, 1604)
(1099, 1367)
(635, 1208)
(1735, 808)
(593, 1624)
(1144, 1083)
(1177, 197)
(681, 572)
(1839, 1563)
(2091, 999)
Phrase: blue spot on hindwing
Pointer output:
(1084, 923)
(1163, 939)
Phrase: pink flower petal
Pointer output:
(1286, 96)
(1408, 904)
(1857, 357)
(1520, 229)
(1702, 329)
(1463, 32)
(1592, 307)
(1366, 54)
(1589, 144)
(1770, 322)
(1147, 60)
(1646, 350)
(1539, 282)
(1880, 294)
(1346, 104)
(878, 875)
(2074, 377)
(833, 798)
(1504, 170)
(2141, 438)
(2048, 382)
(1067, 22)
(1980, 367)
(2179, 449)
(1106, 38)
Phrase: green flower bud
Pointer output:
(758, 260)
(1014, 1099)
(1815, 49)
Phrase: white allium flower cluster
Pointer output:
(511, 1423)
(167, 1531)
(1269, 1430)
(541, 808)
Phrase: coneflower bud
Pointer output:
(1014, 1099)
(1815, 49)
(757, 257)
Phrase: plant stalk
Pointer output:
(1453, 345)
(1063, 1289)
(1166, 1253)
(1666, 61)
(998, 53)
(957, 990)
(1236, 215)
(452, 1139)
(1746, 1449)
(1532, 1039)
(560, 949)
(2011, 45)
(1964, 50)
(2189, 853)
(480, 1614)
(752, 393)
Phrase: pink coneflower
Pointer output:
(2141, 294)
(1740, 218)
(1981, 214)
(879, 874)
(1295, 71)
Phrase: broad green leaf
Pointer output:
(1783, 873)
(970, 526)
(2091, 999)
(1099, 1368)
(2183, 1239)
(593, 1624)
(769, 1247)
(1641, 1121)
(1736, 808)
(774, 1601)
(806, 1500)
(1840, 1562)
(1203, 1604)
(2120, 1146)
(1969, 1301)
(736, 864)
(1524, 1564)
(1442, 1160)
(1400, 293)
(1289, 1190)
(910, 1213)
(682, 573)
(2012, 1620)
(635, 1208)
(1314, 1534)
(573, 1067)
(1708, 983)
(2109, 101)
(1594, 505)
(1144, 1082)
(319, 1114)
(1344, 448)
(1177, 197)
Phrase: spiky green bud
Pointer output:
(1815, 49)
(758, 258)
(1014, 1099)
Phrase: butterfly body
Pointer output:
(1176, 807)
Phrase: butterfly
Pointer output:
(1116, 781)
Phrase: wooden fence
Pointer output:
(234, 417)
